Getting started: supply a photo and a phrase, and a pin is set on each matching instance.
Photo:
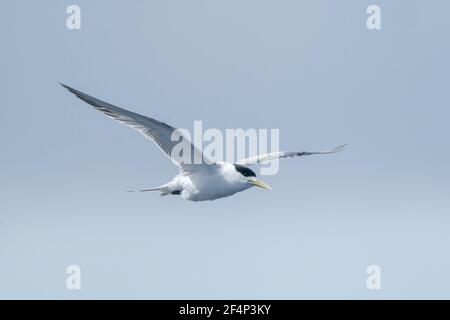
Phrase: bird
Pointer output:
(202, 181)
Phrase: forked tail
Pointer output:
(162, 188)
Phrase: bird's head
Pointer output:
(249, 176)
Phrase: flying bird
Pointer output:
(196, 182)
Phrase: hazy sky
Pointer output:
(310, 68)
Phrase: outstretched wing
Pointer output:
(285, 154)
(152, 129)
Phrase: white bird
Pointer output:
(195, 182)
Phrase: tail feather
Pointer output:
(161, 188)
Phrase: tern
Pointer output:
(195, 182)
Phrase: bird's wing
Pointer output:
(152, 129)
(286, 154)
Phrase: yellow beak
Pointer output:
(258, 183)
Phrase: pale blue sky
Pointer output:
(309, 68)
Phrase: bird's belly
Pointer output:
(210, 188)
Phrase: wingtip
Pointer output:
(65, 86)
(341, 147)
(68, 88)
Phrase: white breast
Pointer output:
(219, 181)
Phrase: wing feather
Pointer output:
(286, 154)
(159, 132)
